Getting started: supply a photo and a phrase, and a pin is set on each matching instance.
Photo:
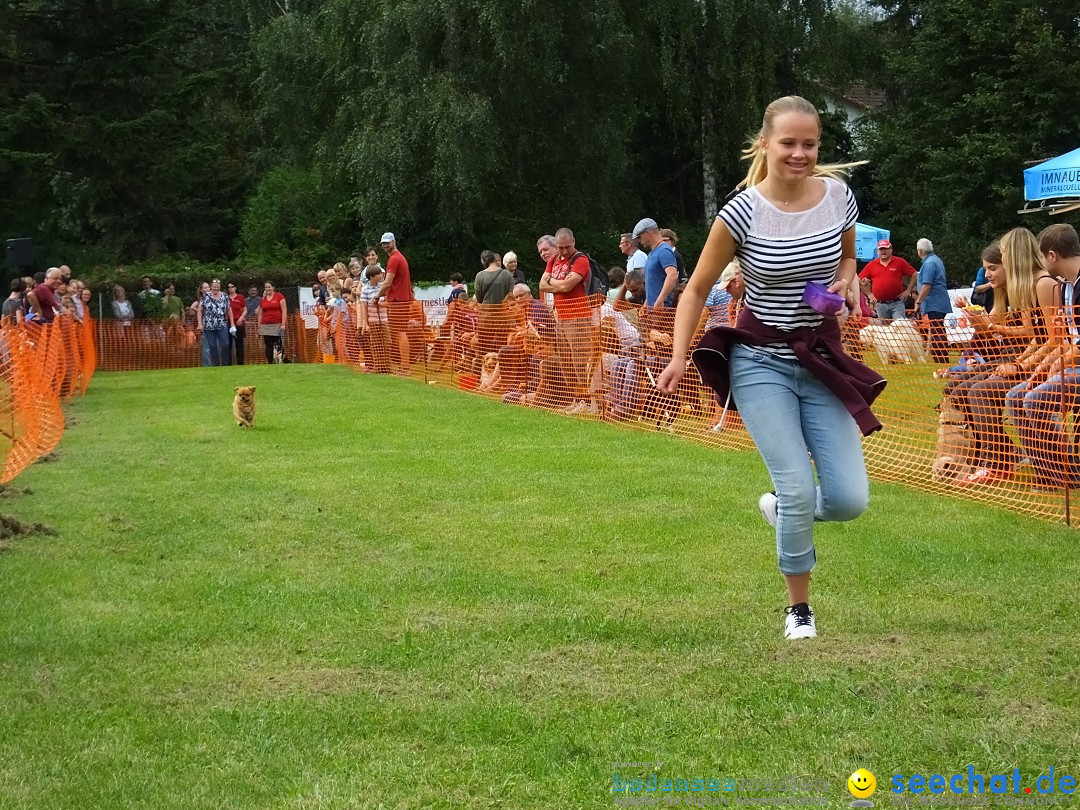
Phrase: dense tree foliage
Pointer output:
(119, 125)
(290, 131)
(977, 91)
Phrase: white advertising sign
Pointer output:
(307, 308)
(434, 300)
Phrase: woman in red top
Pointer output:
(272, 314)
(238, 304)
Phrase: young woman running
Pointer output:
(783, 364)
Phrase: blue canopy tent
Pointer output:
(866, 239)
(1057, 180)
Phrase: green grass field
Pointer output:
(392, 595)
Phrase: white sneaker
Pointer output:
(767, 504)
(799, 622)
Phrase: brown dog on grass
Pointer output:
(243, 406)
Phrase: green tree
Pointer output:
(976, 92)
(140, 145)
(292, 216)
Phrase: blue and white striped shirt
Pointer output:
(780, 251)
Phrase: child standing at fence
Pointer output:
(13, 305)
(374, 324)
(793, 224)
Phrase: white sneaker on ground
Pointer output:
(799, 622)
(767, 504)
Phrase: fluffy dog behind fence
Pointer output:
(490, 377)
(954, 456)
(897, 342)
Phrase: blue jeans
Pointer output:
(1038, 416)
(215, 347)
(792, 416)
(891, 309)
(623, 387)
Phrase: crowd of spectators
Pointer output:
(569, 348)
(1022, 361)
(591, 354)
(572, 349)
(46, 296)
(217, 319)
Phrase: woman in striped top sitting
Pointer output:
(783, 364)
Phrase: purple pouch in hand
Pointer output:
(817, 297)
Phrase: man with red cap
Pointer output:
(892, 280)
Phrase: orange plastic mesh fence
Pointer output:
(143, 344)
(959, 419)
(40, 365)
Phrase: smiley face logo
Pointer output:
(861, 784)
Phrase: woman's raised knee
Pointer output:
(845, 505)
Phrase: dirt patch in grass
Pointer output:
(48, 458)
(11, 527)
(9, 491)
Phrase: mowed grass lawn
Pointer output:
(392, 595)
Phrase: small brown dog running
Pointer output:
(243, 406)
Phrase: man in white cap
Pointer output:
(892, 280)
(661, 268)
(397, 288)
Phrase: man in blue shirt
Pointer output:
(661, 268)
(933, 299)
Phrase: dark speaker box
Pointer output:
(20, 252)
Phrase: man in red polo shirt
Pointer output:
(397, 288)
(567, 278)
(892, 280)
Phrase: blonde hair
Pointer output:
(1023, 261)
(755, 150)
